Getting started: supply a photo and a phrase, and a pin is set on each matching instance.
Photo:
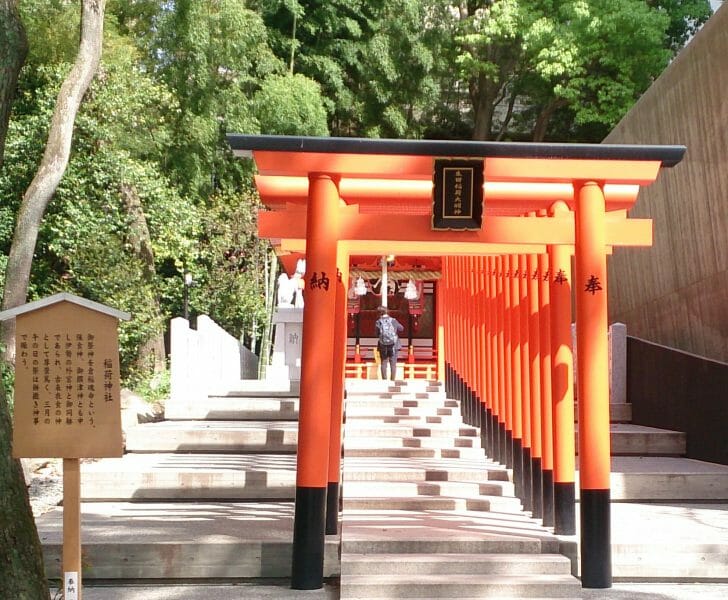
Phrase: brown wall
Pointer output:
(676, 293)
(675, 390)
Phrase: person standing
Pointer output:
(387, 329)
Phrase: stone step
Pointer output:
(368, 386)
(213, 436)
(495, 470)
(393, 489)
(384, 409)
(458, 585)
(456, 564)
(470, 598)
(637, 440)
(413, 452)
(422, 475)
(147, 477)
(374, 443)
(181, 541)
(404, 395)
(234, 408)
(484, 543)
(412, 420)
(257, 387)
(499, 504)
(663, 478)
(666, 542)
(364, 429)
(425, 402)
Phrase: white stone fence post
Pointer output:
(203, 360)
(617, 336)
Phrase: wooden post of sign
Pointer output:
(71, 529)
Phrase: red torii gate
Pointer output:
(507, 342)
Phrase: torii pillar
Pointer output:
(394, 178)
(593, 384)
(309, 527)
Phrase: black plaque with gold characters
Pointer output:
(458, 194)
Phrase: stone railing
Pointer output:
(203, 360)
(617, 362)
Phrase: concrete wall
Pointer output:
(675, 390)
(676, 293)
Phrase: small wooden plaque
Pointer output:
(67, 397)
(457, 201)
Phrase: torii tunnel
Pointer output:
(503, 302)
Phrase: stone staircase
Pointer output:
(208, 494)
(669, 512)
(205, 494)
(426, 514)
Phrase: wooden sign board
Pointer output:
(67, 396)
(457, 201)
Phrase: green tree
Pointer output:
(21, 558)
(15, 47)
(398, 90)
(522, 61)
(290, 105)
(228, 270)
(686, 17)
(327, 40)
(598, 66)
(116, 219)
(52, 165)
(212, 56)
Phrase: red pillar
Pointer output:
(456, 300)
(471, 339)
(316, 381)
(525, 381)
(508, 355)
(547, 450)
(440, 326)
(478, 331)
(486, 424)
(534, 354)
(450, 308)
(516, 396)
(593, 384)
(502, 356)
(337, 397)
(492, 339)
(562, 387)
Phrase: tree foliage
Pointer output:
(176, 76)
(151, 190)
(521, 61)
(290, 105)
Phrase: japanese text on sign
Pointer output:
(64, 378)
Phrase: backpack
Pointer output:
(387, 331)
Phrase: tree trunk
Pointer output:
(15, 44)
(267, 339)
(53, 165)
(544, 117)
(481, 100)
(151, 353)
(22, 575)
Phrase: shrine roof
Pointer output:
(396, 178)
(241, 144)
(388, 176)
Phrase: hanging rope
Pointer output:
(416, 275)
